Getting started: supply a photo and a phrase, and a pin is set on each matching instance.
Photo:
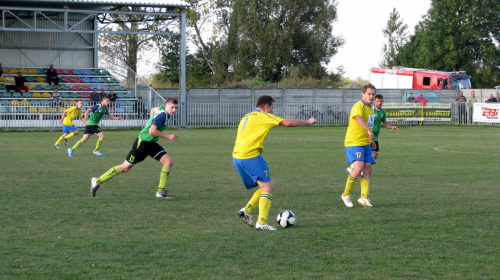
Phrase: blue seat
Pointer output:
(79, 72)
(96, 80)
(120, 103)
(104, 87)
(94, 87)
(87, 72)
(87, 80)
(119, 110)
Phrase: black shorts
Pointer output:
(92, 129)
(376, 148)
(142, 150)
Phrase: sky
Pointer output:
(360, 23)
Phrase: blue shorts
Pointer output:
(362, 153)
(69, 129)
(252, 170)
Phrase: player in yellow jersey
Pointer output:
(248, 160)
(69, 129)
(358, 146)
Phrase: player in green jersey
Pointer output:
(96, 113)
(146, 145)
(380, 119)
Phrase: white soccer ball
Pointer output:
(286, 218)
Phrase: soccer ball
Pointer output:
(286, 218)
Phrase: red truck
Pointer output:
(413, 78)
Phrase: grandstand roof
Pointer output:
(156, 3)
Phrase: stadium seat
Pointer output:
(70, 72)
(61, 109)
(13, 71)
(130, 103)
(87, 80)
(35, 103)
(122, 88)
(87, 72)
(23, 71)
(73, 103)
(129, 110)
(75, 87)
(92, 87)
(65, 95)
(31, 86)
(32, 71)
(42, 71)
(24, 102)
(75, 95)
(5, 103)
(52, 110)
(2, 79)
(68, 80)
(58, 87)
(120, 110)
(7, 95)
(130, 95)
(46, 95)
(121, 95)
(104, 87)
(77, 80)
(79, 72)
(32, 110)
(4, 71)
(37, 95)
(30, 79)
(114, 81)
(43, 110)
(48, 87)
(2, 87)
(66, 87)
(106, 72)
(38, 87)
(104, 80)
(86, 88)
(96, 72)
(14, 103)
(96, 80)
(60, 72)
(27, 95)
(113, 88)
(84, 95)
(40, 79)
(16, 95)
(111, 110)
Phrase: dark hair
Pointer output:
(379, 96)
(265, 99)
(172, 100)
(366, 87)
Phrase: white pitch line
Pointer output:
(440, 149)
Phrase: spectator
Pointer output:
(103, 93)
(421, 99)
(10, 82)
(139, 108)
(472, 98)
(20, 80)
(461, 97)
(52, 76)
(112, 96)
(498, 97)
(492, 99)
(56, 97)
(411, 98)
(95, 96)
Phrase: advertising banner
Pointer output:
(486, 112)
(416, 112)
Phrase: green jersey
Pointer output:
(380, 117)
(98, 111)
(160, 119)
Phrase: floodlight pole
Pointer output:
(182, 73)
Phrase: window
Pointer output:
(427, 81)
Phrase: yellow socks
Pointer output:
(349, 185)
(58, 141)
(97, 145)
(163, 178)
(265, 201)
(365, 187)
(109, 174)
(253, 201)
(77, 144)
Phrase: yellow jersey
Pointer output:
(252, 130)
(70, 115)
(357, 135)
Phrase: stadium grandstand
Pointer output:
(65, 33)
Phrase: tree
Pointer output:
(397, 35)
(458, 35)
(269, 39)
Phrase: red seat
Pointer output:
(84, 95)
(75, 87)
(68, 80)
(60, 72)
(77, 80)
(87, 88)
(70, 72)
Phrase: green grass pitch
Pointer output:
(435, 191)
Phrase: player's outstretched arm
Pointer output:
(153, 130)
(296, 122)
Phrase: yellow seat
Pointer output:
(46, 95)
(73, 103)
(43, 110)
(25, 103)
(61, 109)
(52, 110)
(2, 79)
(23, 71)
(31, 86)
(14, 103)
(33, 71)
(37, 95)
(4, 71)
(33, 109)
(40, 79)
(13, 71)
